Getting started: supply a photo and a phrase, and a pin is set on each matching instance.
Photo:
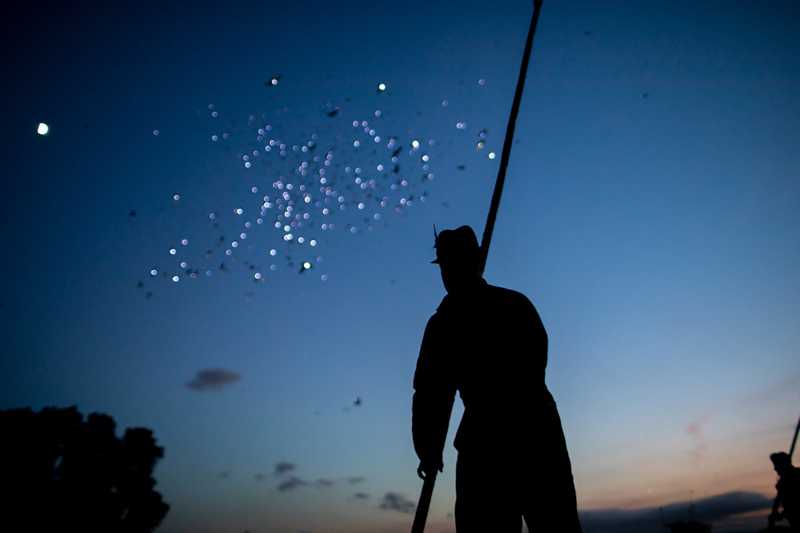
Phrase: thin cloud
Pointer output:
(393, 501)
(212, 379)
(260, 477)
(355, 480)
(695, 430)
(324, 483)
(361, 496)
(225, 474)
(284, 467)
(291, 483)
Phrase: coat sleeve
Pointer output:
(434, 393)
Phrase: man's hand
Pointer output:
(426, 468)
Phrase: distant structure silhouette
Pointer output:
(689, 526)
(788, 487)
(61, 473)
(489, 344)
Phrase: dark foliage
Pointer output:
(64, 473)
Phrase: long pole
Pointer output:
(424, 503)
(486, 241)
(794, 439)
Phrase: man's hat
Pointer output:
(458, 245)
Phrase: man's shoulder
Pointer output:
(438, 315)
(508, 295)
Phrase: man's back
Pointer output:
(491, 346)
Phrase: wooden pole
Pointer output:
(794, 439)
(424, 503)
(486, 241)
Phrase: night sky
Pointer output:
(651, 213)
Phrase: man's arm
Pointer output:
(432, 403)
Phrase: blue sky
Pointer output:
(650, 212)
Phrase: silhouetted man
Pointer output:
(489, 344)
(788, 491)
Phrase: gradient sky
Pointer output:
(651, 213)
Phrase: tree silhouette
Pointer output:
(61, 473)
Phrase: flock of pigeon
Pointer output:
(348, 175)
